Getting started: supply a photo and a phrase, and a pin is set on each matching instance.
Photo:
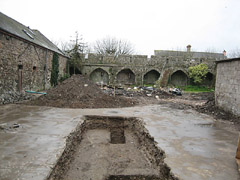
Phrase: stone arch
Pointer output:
(126, 76)
(179, 78)
(99, 76)
(71, 70)
(151, 77)
(209, 80)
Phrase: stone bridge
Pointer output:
(141, 70)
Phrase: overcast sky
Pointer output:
(148, 24)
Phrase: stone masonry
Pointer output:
(227, 90)
(165, 67)
(33, 63)
(25, 59)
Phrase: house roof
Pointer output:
(192, 54)
(228, 60)
(15, 28)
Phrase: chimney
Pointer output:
(189, 48)
(225, 53)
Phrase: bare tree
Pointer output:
(66, 46)
(235, 53)
(113, 46)
(75, 50)
(211, 50)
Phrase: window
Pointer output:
(27, 33)
(20, 66)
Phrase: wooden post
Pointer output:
(238, 149)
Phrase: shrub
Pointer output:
(198, 73)
(55, 70)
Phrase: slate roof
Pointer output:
(228, 60)
(13, 27)
(193, 54)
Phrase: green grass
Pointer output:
(191, 88)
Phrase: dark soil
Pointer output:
(79, 92)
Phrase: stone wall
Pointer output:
(227, 90)
(24, 65)
(163, 67)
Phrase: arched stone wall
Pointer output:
(178, 78)
(126, 76)
(139, 67)
(99, 76)
(71, 70)
(151, 77)
(209, 80)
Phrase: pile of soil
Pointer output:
(80, 92)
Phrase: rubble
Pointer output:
(175, 91)
(13, 97)
(137, 92)
(9, 127)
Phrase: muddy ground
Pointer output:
(122, 150)
(79, 92)
(202, 102)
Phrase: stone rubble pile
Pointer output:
(13, 96)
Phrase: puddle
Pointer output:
(111, 148)
(133, 177)
(113, 112)
(205, 125)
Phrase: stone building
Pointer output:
(25, 57)
(165, 67)
(227, 90)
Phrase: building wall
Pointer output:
(227, 90)
(22, 60)
(140, 65)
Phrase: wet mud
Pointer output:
(111, 148)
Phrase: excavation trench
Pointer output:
(111, 148)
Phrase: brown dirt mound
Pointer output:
(79, 92)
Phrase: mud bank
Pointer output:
(106, 148)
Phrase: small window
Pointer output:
(27, 33)
(20, 66)
(31, 31)
(7, 37)
(34, 68)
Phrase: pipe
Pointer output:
(45, 70)
(20, 81)
(34, 92)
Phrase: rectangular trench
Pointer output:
(111, 148)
